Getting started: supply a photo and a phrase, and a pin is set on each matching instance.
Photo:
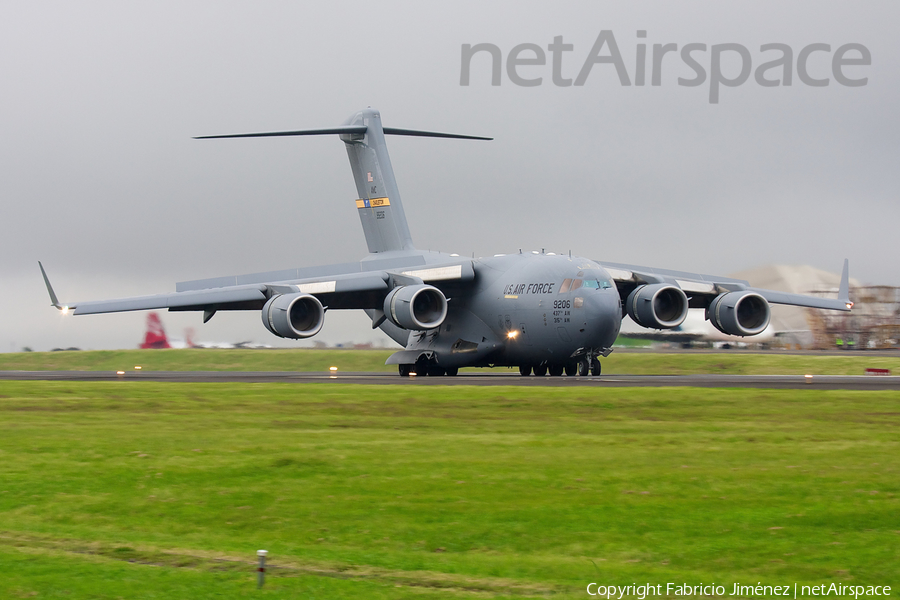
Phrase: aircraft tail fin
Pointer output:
(378, 203)
(156, 336)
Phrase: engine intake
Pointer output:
(739, 313)
(658, 306)
(294, 316)
(416, 307)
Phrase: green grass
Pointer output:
(143, 490)
(301, 359)
(637, 363)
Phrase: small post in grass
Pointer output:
(261, 569)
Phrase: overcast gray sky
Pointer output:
(101, 180)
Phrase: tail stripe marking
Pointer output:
(372, 202)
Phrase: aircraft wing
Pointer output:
(196, 300)
(333, 285)
(702, 289)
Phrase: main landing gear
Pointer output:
(582, 367)
(592, 367)
(425, 367)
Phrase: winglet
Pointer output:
(844, 289)
(53, 300)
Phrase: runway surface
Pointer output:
(825, 382)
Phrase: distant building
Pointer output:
(874, 322)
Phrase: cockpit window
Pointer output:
(570, 285)
(597, 284)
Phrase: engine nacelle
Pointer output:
(294, 316)
(416, 307)
(658, 306)
(739, 313)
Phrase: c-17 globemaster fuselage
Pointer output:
(531, 310)
(538, 311)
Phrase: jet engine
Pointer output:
(295, 316)
(416, 307)
(658, 306)
(739, 313)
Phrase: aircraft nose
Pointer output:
(602, 315)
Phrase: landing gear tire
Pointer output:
(584, 367)
(405, 370)
(555, 370)
(595, 367)
(525, 370)
(453, 372)
(571, 369)
(540, 371)
(421, 367)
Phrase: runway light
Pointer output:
(137, 367)
(512, 334)
(808, 378)
(120, 372)
(412, 373)
(332, 369)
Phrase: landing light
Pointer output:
(513, 334)
(65, 310)
(849, 305)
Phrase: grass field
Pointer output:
(143, 490)
(637, 363)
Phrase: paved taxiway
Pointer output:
(824, 382)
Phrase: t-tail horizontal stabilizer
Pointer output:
(349, 129)
(378, 203)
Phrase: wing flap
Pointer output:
(342, 284)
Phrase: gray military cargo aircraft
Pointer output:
(537, 311)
